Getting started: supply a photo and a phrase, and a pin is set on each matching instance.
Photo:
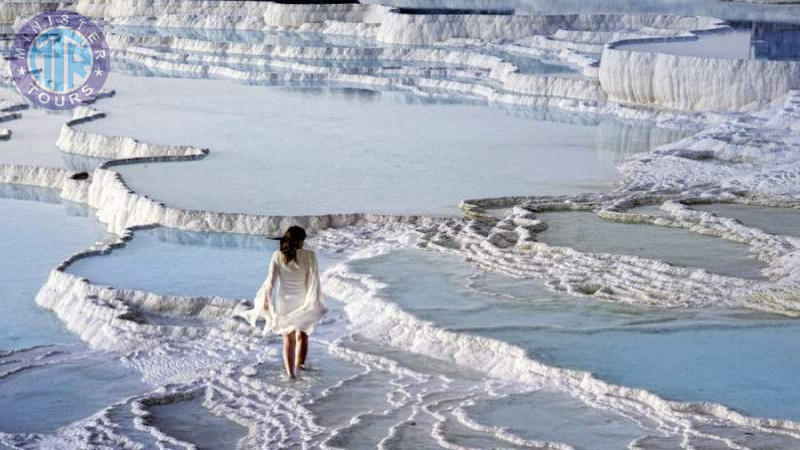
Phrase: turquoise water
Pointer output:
(45, 231)
(726, 351)
(190, 263)
(56, 381)
(399, 153)
(745, 360)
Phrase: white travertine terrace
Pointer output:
(431, 28)
(748, 158)
(108, 191)
(121, 208)
(11, 10)
(691, 83)
(658, 80)
(48, 177)
(380, 319)
(214, 57)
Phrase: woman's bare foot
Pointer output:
(300, 367)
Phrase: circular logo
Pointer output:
(60, 60)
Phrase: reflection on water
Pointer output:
(81, 163)
(536, 66)
(775, 41)
(617, 140)
(52, 380)
(397, 149)
(30, 193)
(248, 242)
(399, 156)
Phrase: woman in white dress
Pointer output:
(298, 307)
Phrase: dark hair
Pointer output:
(291, 241)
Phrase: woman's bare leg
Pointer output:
(302, 349)
(289, 353)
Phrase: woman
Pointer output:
(298, 307)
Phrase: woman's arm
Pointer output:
(268, 286)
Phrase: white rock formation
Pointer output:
(693, 83)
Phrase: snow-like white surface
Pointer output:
(10, 11)
(428, 28)
(693, 83)
(756, 153)
(425, 376)
(372, 315)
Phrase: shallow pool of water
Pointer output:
(173, 262)
(564, 419)
(743, 360)
(758, 40)
(772, 220)
(586, 232)
(345, 150)
(190, 263)
(40, 231)
(49, 379)
(537, 66)
(189, 421)
(726, 45)
(54, 394)
(33, 136)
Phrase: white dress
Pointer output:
(298, 304)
